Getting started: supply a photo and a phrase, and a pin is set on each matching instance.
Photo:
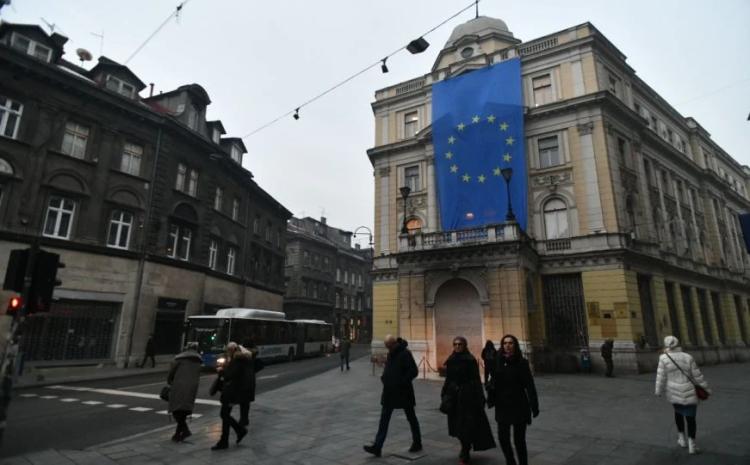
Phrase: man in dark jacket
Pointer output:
(398, 393)
(257, 365)
(346, 346)
(150, 352)
(607, 356)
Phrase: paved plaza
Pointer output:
(325, 420)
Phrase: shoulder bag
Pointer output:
(164, 394)
(700, 393)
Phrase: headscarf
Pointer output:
(671, 342)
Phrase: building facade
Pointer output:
(145, 201)
(328, 279)
(632, 217)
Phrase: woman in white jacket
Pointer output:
(674, 368)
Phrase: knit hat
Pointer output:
(670, 342)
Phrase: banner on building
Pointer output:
(745, 225)
(477, 132)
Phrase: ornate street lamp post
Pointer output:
(405, 191)
(507, 174)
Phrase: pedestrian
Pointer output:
(607, 347)
(488, 358)
(679, 373)
(585, 361)
(346, 346)
(150, 352)
(233, 382)
(183, 378)
(464, 395)
(398, 393)
(513, 394)
(256, 365)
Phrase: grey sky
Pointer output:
(258, 60)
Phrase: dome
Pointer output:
(480, 26)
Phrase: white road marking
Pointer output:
(28, 395)
(140, 409)
(69, 388)
(48, 397)
(163, 412)
(141, 395)
(116, 405)
(69, 399)
(160, 383)
(268, 377)
(195, 416)
(92, 402)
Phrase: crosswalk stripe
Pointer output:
(117, 392)
(29, 395)
(140, 409)
(162, 412)
(69, 388)
(69, 399)
(92, 402)
(116, 405)
(48, 397)
(195, 416)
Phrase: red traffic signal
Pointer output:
(14, 305)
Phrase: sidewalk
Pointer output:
(325, 420)
(35, 377)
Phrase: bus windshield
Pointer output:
(209, 333)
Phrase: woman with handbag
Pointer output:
(183, 379)
(684, 386)
(511, 389)
(462, 399)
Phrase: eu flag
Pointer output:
(477, 131)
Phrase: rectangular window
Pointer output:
(236, 209)
(10, 117)
(59, 218)
(236, 154)
(120, 225)
(193, 184)
(31, 47)
(180, 238)
(542, 86)
(213, 251)
(614, 84)
(231, 255)
(181, 174)
(216, 136)
(411, 178)
(268, 232)
(654, 123)
(411, 124)
(131, 159)
(549, 152)
(74, 140)
(256, 225)
(338, 275)
(670, 136)
(120, 86)
(218, 198)
(346, 277)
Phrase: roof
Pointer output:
(234, 140)
(480, 26)
(106, 63)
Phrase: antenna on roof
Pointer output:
(51, 26)
(101, 41)
(83, 55)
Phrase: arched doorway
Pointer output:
(457, 313)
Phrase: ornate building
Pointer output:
(632, 217)
(328, 279)
(146, 202)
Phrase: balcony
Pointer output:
(460, 238)
(582, 244)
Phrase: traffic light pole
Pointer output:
(10, 354)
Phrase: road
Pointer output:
(80, 415)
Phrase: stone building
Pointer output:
(632, 216)
(328, 279)
(144, 199)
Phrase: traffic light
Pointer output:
(16, 270)
(14, 305)
(43, 281)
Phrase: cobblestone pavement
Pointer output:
(584, 420)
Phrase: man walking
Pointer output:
(346, 345)
(607, 356)
(150, 353)
(398, 393)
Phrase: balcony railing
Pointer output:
(463, 237)
(581, 244)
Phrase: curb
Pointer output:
(124, 373)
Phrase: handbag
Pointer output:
(448, 399)
(700, 393)
(164, 394)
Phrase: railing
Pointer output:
(410, 86)
(580, 244)
(463, 237)
(537, 47)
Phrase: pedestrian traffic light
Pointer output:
(16, 270)
(43, 281)
(14, 305)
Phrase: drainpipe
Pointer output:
(143, 251)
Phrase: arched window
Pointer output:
(414, 225)
(556, 219)
(5, 168)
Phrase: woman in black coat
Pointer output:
(184, 376)
(462, 390)
(512, 391)
(235, 380)
(488, 357)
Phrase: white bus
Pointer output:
(274, 335)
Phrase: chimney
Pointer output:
(151, 92)
(323, 219)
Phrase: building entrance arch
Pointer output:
(458, 312)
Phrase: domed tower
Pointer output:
(470, 43)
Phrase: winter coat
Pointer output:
(150, 347)
(398, 373)
(607, 350)
(488, 356)
(345, 348)
(467, 420)
(184, 376)
(680, 390)
(238, 379)
(513, 390)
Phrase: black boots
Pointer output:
(372, 450)
(415, 447)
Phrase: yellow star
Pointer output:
(507, 157)
(503, 126)
(448, 155)
(510, 140)
(451, 139)
(475, 119)
(454, 169)
(481, 178)
(496, 171)
(466, 177)
(461, 126)
(491, 119)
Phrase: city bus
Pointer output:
(274, 336)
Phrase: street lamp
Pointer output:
(405, 191)
(507, 174)
(369, 233)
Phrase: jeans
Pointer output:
(692, 426)
(228, 421)
(385, 419)
(610, 367)
(245, 413)
(344, 359)
(519, 440)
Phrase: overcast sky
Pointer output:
(258, 60)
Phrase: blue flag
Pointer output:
(477, 132)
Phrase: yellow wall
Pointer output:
(616, 293)
(384, 309)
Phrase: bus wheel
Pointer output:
(290, 357)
